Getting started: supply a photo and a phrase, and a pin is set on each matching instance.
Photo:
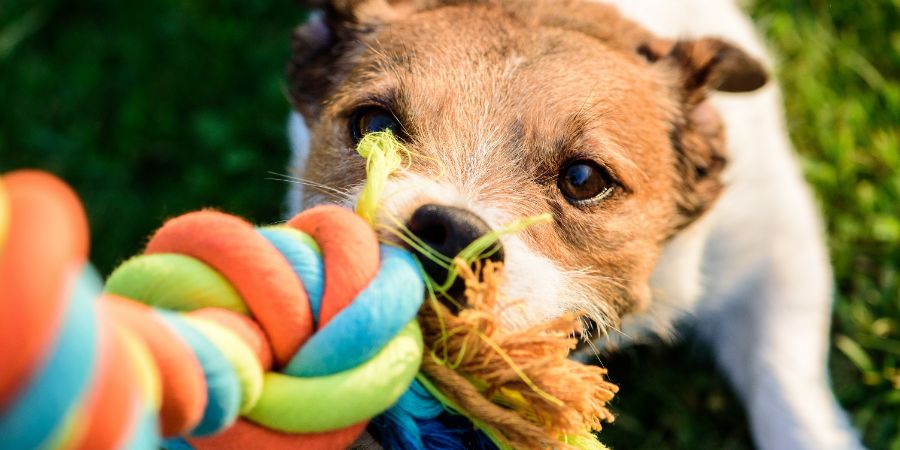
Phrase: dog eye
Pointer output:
(582, 181)
(372, 119)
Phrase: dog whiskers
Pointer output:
(322, 188)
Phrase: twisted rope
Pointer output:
(233, 337)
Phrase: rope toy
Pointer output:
(222, 335)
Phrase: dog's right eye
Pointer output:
(372, 119)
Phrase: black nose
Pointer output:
(448, 230)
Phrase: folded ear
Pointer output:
(321, 46)
(698, 135)
(713, 64)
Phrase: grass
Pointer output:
(840, 62)
(151, 109)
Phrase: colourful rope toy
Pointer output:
(222, 335)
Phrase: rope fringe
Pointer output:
(520, 383)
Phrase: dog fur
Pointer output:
(496, 94)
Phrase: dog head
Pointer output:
(515, 108)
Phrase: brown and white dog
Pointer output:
(515, 108)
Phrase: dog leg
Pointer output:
(770, 336)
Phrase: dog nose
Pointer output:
(448, 230)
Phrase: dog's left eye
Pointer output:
(583, 181)
(372, 119)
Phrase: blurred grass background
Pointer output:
(151, 109)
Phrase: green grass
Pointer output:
(150, 109)
(840, 65)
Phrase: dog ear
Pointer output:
(706, 64)
(697, 134)
(321, 45)
(713, 64)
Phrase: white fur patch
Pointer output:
(298, 138)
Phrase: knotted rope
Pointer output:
(305, 331)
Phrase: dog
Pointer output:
(649, 132)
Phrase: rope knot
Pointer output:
(289, 336)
